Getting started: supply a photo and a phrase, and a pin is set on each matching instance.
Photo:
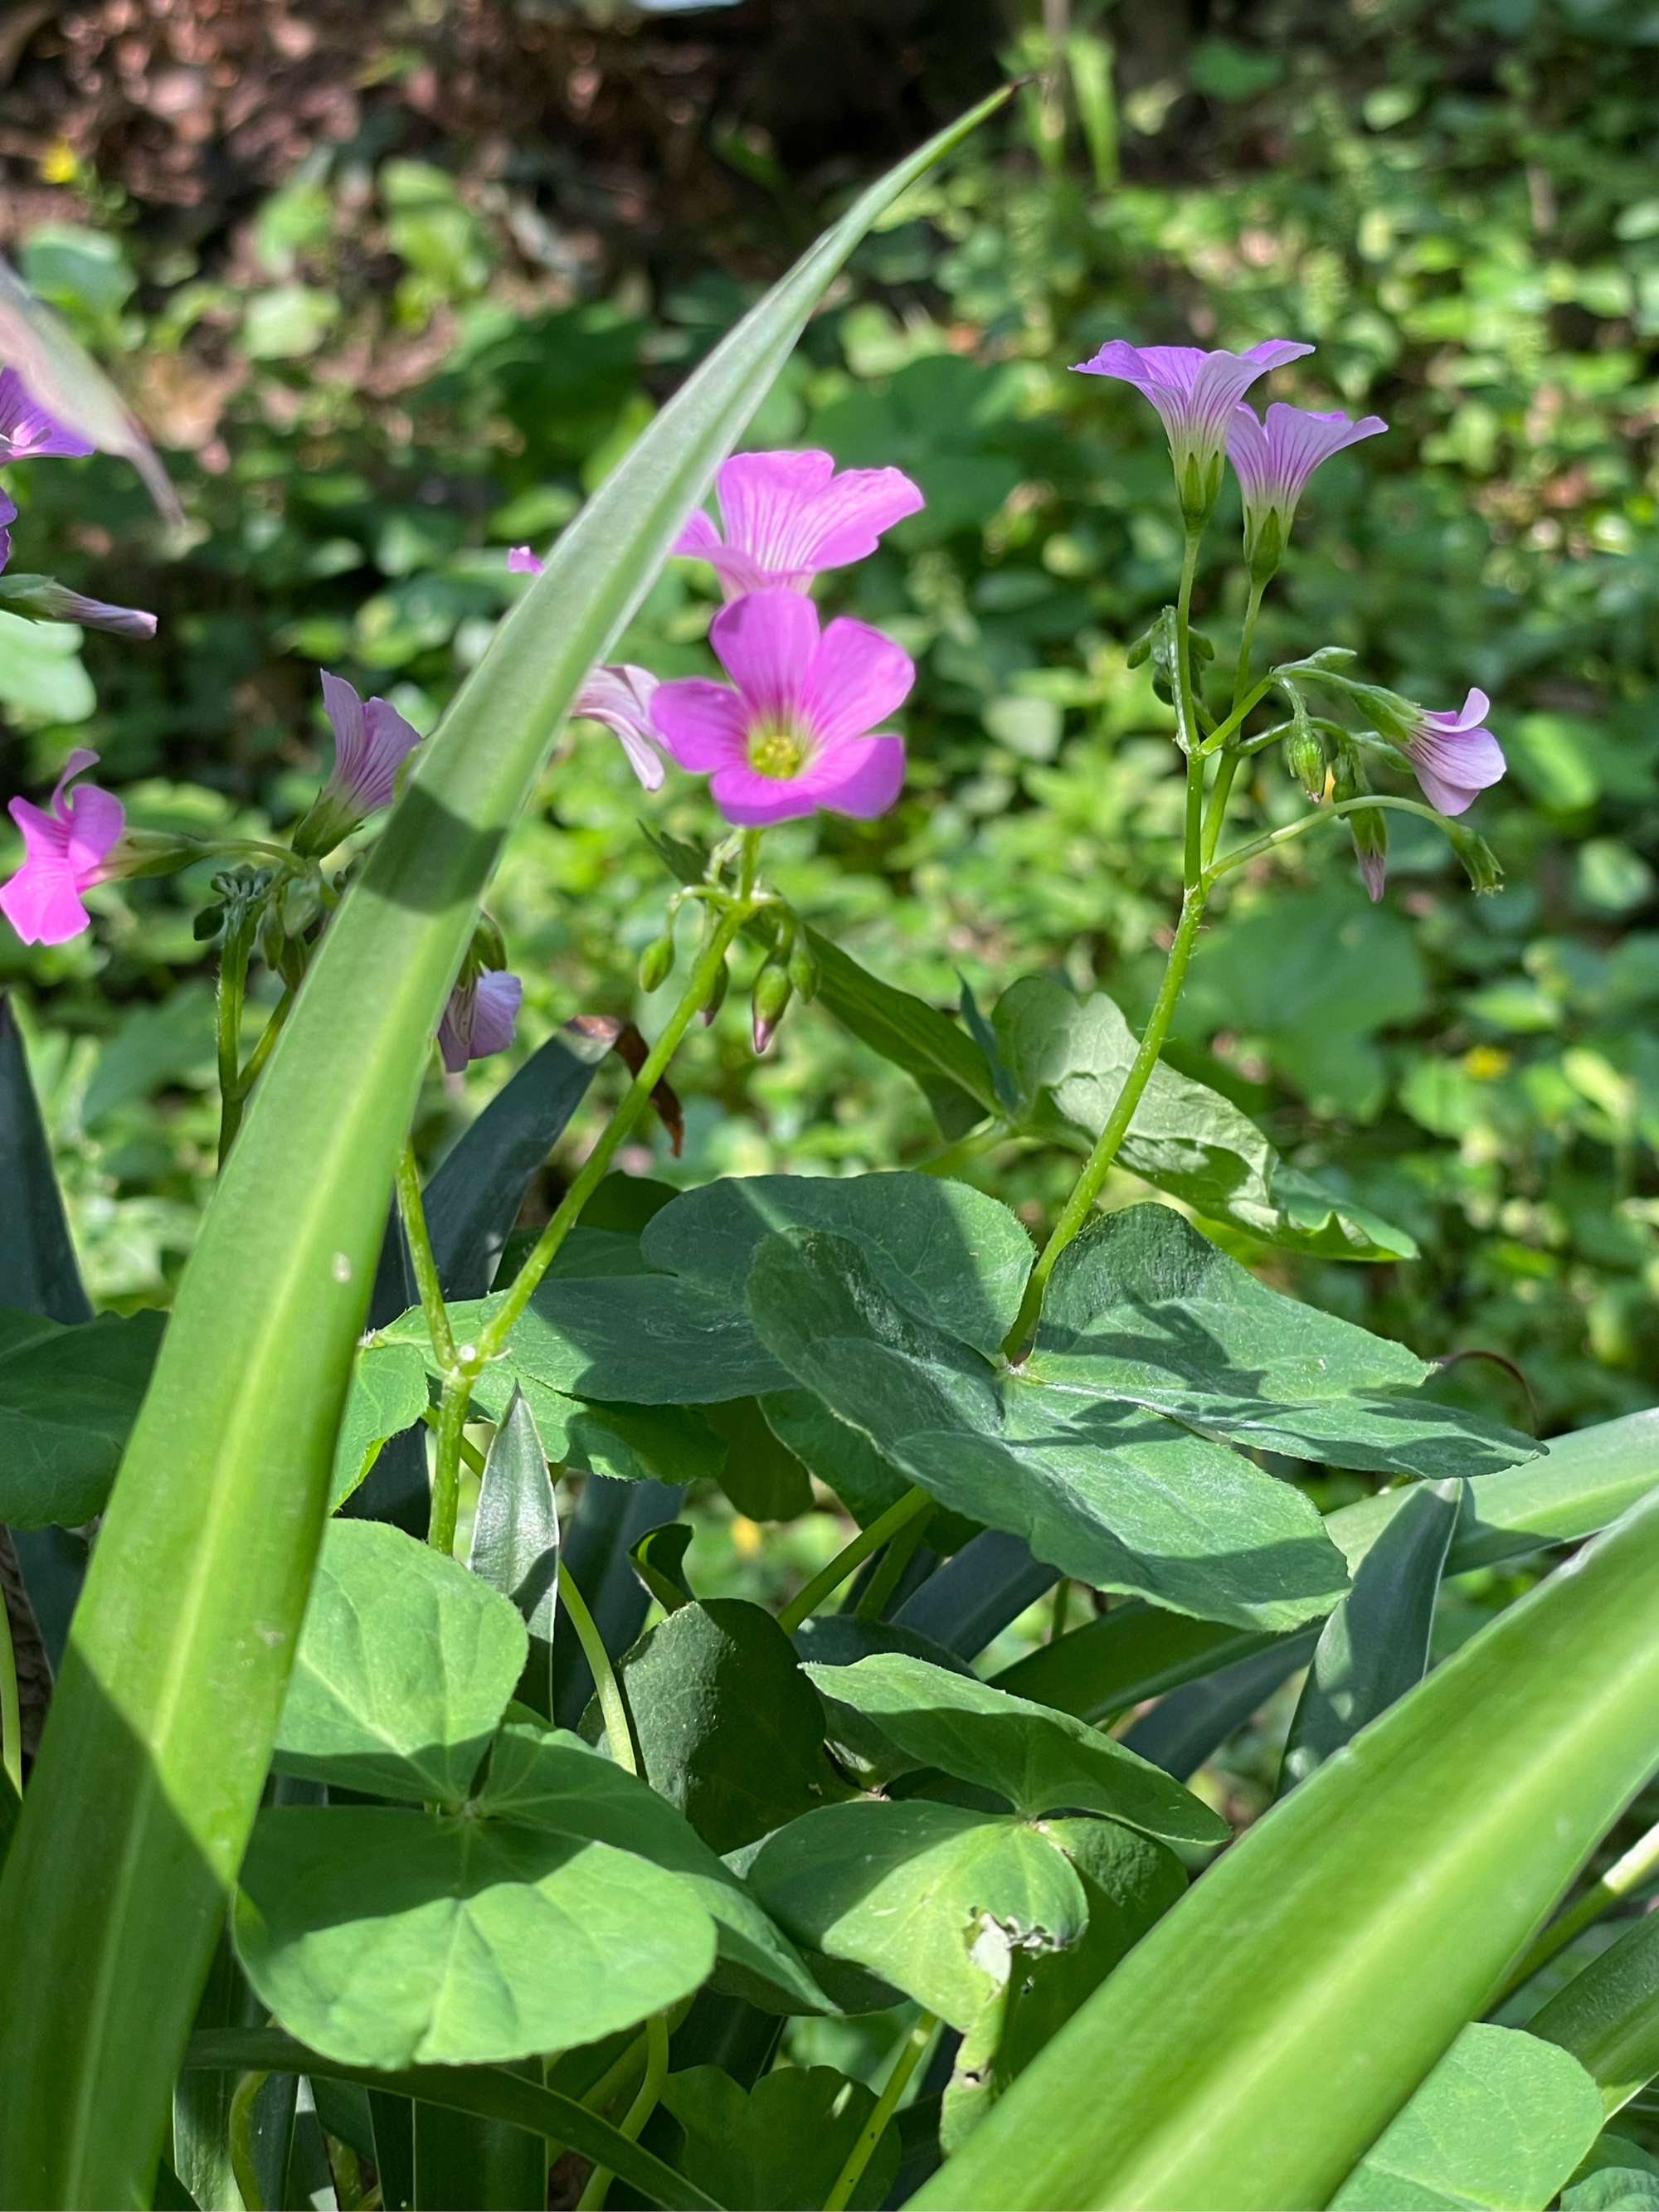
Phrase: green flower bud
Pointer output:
(717, 990)
(1480, 864)
(772, 993)
(657, 962)
(805, 974)
(1305, 751)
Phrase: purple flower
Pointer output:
(8, 516)
(521, 562)
(44, 599)
(1195, 393)
(372, 741)
(480, 1019)
(621, 697)
(1274, 462)
(27, 431)
(788, 515)
(65, 851)
(796, 733)
(1455, 756)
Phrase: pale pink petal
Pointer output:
(766, 641)
(862, 777)
(521, 562)
(1455, 768)
(620, 697)
(761, 496)
(497, 997)
(344, 709)
(857, 679)
(390, 741)
(1374, 871)
(704, 725)
(699, 540)
(1473, 711)
(740, 573)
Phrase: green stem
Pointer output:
(1227, 770)
(871, 2133)
(1304, 823)
(613, 1707)
(447, 1463)
(1626, 1874)
(11, 1712)
(896, 1558)
(656, 2073)
(1087, 1189)
(239, 2129)
(470, 1455)
(1187, 732)
(494, 1334)
(412, 1208)
(233, 991)
(805, 1602)
(964, 1150)
(268, 1036)
(1241, 675)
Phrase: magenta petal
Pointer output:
(704, 725)
(42, 904)
(27, 430)
(521, 562)
(93, 819)
(699, 540)
(761, 497)
(857, 679)
(766, 641)
(750, 800)
(862, 778)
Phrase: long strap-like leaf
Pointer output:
(1250, 2050)
(162, 1726)
(490, 2091)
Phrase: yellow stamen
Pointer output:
(776, 752)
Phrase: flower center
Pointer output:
(776, 751)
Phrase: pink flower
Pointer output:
(621, 697)
(27, 431)
(1195, 393)
(795, 734)
(1455, 756)
(1274, 463)
(372, 741)
(788, 515)
(521, 562)
(64, 852)
(480, 1019)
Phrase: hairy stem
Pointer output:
(1087, 1189)
(613, 1706)
(412, 1209)
(1188, 731)
(871, 2133)
(447, 1465)
(232, 993)
(806, 1602)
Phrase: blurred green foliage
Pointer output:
(391, 377)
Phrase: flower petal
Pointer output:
(522, 561)
(704, 724)
(93, 820)
(497, 997)
(27, 430)
(761, 496)
(42, 904)
(750, 800)
(699, 540)
(766, 641)
(861, 778)
(857, 679)
(846, 520)
(344, 709)
(390, 740)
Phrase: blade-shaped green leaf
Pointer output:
(1134, 1652)
(544, 1778)
(405, 1665)
(1608, 2016)
(68, 1401)
(1069, 1057)
(1375, 1645)
(516, 1542)
(1349, 1936)
(37, 1269)
(1039, 1761)
(388, 1391)
(491, 2091)
(780, 2146)
(1142, 1307)
(1116, 1496)
(156, 1747)
(729, 1729)
(386, 1938)
(1500, 2124)
(930, 1896)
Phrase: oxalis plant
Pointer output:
(351, 1870)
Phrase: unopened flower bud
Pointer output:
(657, 962)
(1305, 751)
(488, 948)
(1481, 863)
(1370, 825)
(1136, 656)
(717, 990)
(298, 905)
(772, 993)
(804, 971)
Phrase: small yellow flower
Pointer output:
(59, 164)
(1484, 1063)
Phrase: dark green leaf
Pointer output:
(659, 1561)
(933, 1899)
(1615, 2175)
(782, 2147)
(1134, 1652)
(490, 2091)
(37, 1270)
(404, 1665)
(1142, 1308)
(609, 1519)
(1069, 1056)
(388, 1391)
(553, 1780)
(940, 1250)
(976, 1593)
(1184, 1727)
(516, 1542)
(390, 1939)
(762, 1477)
(485, 2165)
(1375, 1645)
(840, 1456)
(1503, 2120)
(68, 1401)
(927, 1045)
(1608, 2016)
(730, 1732)
(1117, 1496)
(1041, 1761)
